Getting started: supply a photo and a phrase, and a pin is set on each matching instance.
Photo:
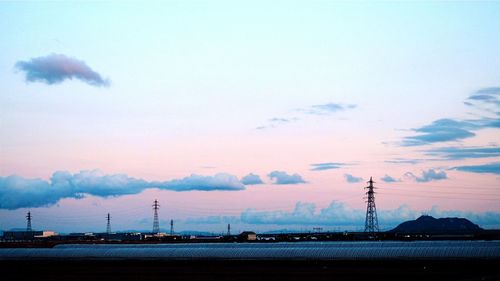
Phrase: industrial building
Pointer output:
(27, 235)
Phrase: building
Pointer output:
(121, 236)
(248, 236)
(76, 236)
(27, 235)
(47, 233)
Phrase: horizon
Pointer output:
(265, 116)
(223, 232)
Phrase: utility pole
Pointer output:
(28, 222)
(228, 229)
(108, 226)
(171, 227)
(156, 222)
(371, 222)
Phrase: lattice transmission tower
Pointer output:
(108, 226)
(371, 222)
(156, 222)
(28, 222)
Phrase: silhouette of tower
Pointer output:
(28, 222)
(228, 229)
(156, 222)
(171, 227)
(371, 222)
(108, 226)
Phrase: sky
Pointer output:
(265, 115)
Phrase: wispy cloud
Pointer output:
(280, 177)
(56, 68)
(485, 97)
(457, 153)
(326, 166)
(491, 168)
(328, 108)
(277, 121)
(488, 91)
(18, 192)
(251, 179)
(448, 129)
(388, 178)
(282, 120)
(318, 109)
(352, 179)
(444, 130)
(441, 130)
(404, 161)
(427, 176)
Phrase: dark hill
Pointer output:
(428, 224)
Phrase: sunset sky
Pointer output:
(263, 114)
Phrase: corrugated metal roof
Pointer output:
(310, 251)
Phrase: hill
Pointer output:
(428, 224)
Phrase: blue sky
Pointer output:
(318, 96)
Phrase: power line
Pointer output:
(440, 197)
(441, 192)
(427, 185)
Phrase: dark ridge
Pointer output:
(428, 224)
